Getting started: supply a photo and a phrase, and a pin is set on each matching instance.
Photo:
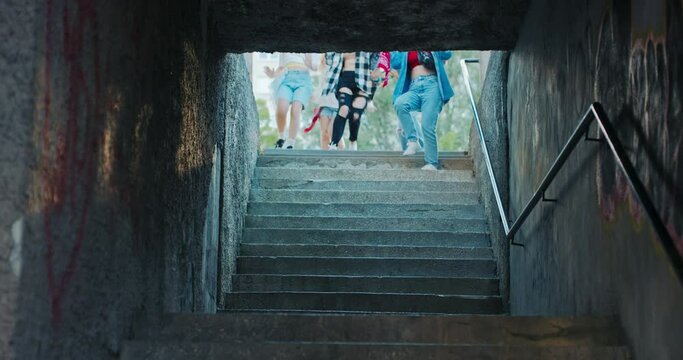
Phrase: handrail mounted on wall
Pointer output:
(608, 136)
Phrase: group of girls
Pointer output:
(350, 82)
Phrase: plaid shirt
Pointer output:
(364, 67)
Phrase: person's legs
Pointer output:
(344, 95)
(285, 95)
(410, 101)
(281, 118)
(357, 108)
(403, 140)
(431, 107)
(294, 123)
(326, 115)
(302, 88)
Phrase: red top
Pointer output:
(413, 61)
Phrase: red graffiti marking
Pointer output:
(69, 154)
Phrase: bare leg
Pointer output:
(295, 120)
(281, 115)
(325, 132)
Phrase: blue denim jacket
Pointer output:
(399, 61)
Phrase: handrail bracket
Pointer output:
(545, 199)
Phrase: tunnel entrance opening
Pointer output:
(379, 127)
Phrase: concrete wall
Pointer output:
(305, 25)
(595, 252)
(17, 76)
(492, 108)
(240, 143)
(114, 133)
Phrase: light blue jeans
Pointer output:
(423, 95)
(402, 134)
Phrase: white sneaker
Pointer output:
(412, 148)
(353, 145)
(430, 167)
(333, 148)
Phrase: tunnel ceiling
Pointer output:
(341, 25)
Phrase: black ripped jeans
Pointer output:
(347, 82)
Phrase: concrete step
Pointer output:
(363, 175)
(346, 185)
(365, 266)
(344, 161)
(353, 154)
(384, 284)
(363, 302)
(374, 251)
(423, 329)
(363, 197)
(155, 350)
(367, 223)
(363, 237)
(368, 210)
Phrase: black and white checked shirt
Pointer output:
(364, 68)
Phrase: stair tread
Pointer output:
(343, 258)
(364, 266)
(362, 293)
(416, 211)
(359, 153)
(361, 197)
(362, 250)
(356, 327)
(378, 231)
(342, 351)
(328, 236)
(407, 303)
(309, 173)
(364, 191)
(376, 276)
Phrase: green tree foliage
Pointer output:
(456, 117)
(268, 134)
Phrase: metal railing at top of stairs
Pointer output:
(607, 135)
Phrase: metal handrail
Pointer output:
(484, 148)
(607, 135)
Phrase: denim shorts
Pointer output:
(328, 111)
(295, 86)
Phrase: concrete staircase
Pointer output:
(364, 232)
(363, 255)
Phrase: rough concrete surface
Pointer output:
(373, 336)
(493, 115)
(241, 138)
(595, 252)
(110, 136)
(304, 25)
(17, 61)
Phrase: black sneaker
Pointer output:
(279, 144)
(290, 147)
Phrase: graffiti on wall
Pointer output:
(647, 115)
(70, 138)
